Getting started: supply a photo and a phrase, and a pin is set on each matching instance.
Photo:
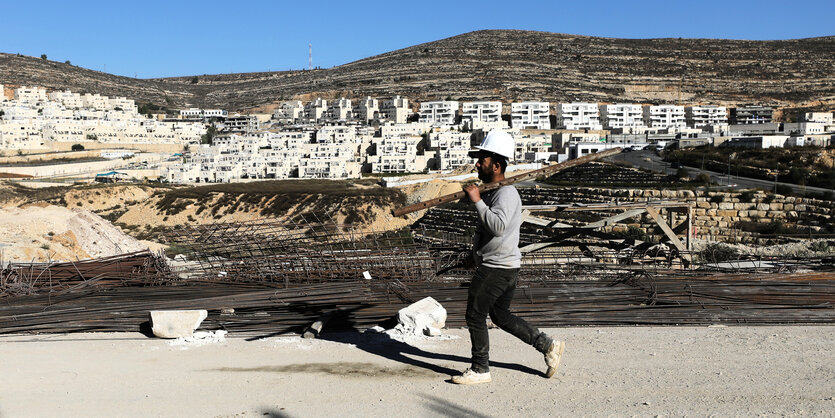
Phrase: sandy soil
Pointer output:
(42, 232)
(606, 371)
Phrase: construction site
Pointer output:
(321, 268)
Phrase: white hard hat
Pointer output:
(497, 141)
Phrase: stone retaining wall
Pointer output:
(712, 219)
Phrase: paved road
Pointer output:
(648, 159)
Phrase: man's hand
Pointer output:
(472, 192)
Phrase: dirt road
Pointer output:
(621, 371)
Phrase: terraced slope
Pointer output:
(512, 65)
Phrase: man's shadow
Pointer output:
(384, 345)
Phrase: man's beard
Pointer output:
(485, 176)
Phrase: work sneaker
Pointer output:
(553, 356)
(469, 377)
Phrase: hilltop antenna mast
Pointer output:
(309, 56)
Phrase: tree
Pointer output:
(194, 80)
(43, 56)
(210, 134)
(77, 147)
(67, 62)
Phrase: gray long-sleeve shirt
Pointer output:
(496, 241)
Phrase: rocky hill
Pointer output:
(503, 65)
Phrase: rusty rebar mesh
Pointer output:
(306, 251)
(140, 268)
(261, 309)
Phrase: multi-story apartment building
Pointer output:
(530, 115)
(702, 116)
(95, 101)
(439, 112)
(241, 123)
(22, 134)
(578, 116)
(196, 113)
(290, 112)
(121, 103)
(396, 110)
(532, 147)
(397, 155)
(665, 116)
(452, 149)
(622, 116)
(341, 110)
(481, 111)
(397, 129)
(315, 111)
(30, 95)
(337, 134)
(751, 115)
(367, 110)
(67, 98)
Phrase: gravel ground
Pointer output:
(605, 371)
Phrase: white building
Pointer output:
(30, 95)
(481, 111)
(821, 117)
(241, 123)
(341, 110)
(396, 110)
(762, 142)
(703, 116)
(665, 116)
(439, 112)
(578, 116)
(530, 115)
(315, 111)
(67, 98)
(533, 147)
(805, 128)
(337, 134)
(290, 112)
(452, 149)
(622, 116)
(399, 129)
(368, 109)
(397, 155)
(95, 101)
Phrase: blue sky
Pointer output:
(161, 39)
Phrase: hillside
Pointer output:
(506, 65)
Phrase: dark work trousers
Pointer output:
(490, 293)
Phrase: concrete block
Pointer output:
(176, 324)
(424, 317)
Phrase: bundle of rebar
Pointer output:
(264, 309)
(137, 268)
(301, 252)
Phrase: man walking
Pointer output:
(497, 257)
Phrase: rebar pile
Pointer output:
(260, 310)
(301, 252)
(137, 268)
